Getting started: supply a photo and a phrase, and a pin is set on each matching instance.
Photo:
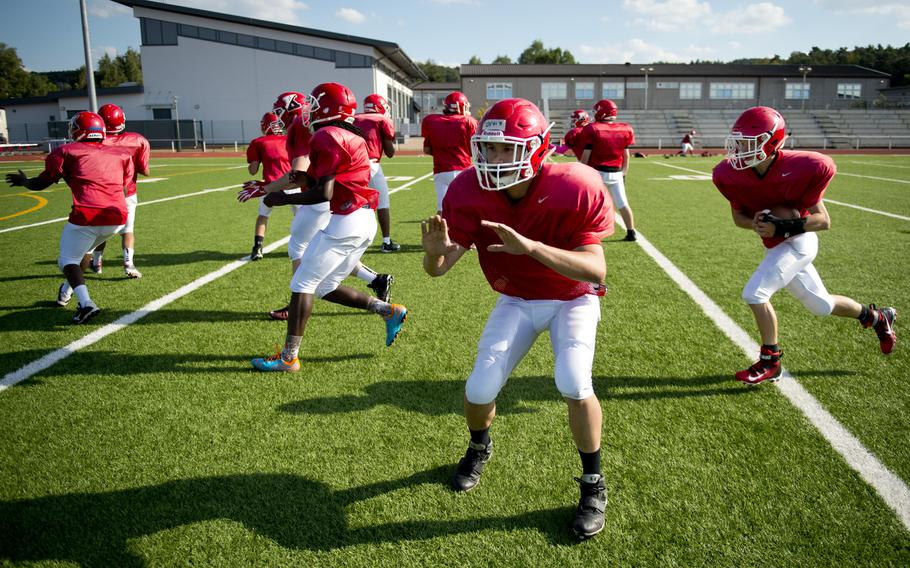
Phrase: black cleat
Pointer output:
(468, 470)
(256, 253)
(85, 313)
(392, 246)
(630, 236)
(589, 516)
(382, 287)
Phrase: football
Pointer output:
(782, 212)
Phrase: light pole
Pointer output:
(804, 69)
(646, 70)
(174, 99)
(89, 68)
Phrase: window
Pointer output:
(614, 91)
(552, 90)
(690, 91)
(303, 50)
(849, 90)
(265, 43)
(499, 91)
(208, 33)
(584, 90)
(227, 37)
(188, 31)
(323, 53)
(797, 91)
(732, 90)
(168, 33)
(636, 85)
(151, 32)
(246, 40)
(284, 46)
(161, 113)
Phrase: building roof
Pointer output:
(389, 49)
(431, 86)
(73, 93)
(668, 70)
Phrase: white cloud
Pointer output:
(678, 15)
(283, 11)
(895, 11)
(107, 9)
(637, 50)
(99, 51)
(351, 15)
(450, 2)
(668, 16)
(754, 18)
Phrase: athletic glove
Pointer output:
(251, 189)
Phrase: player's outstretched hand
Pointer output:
(435, 236)
(251, 189)
(16, 179)
(512, 241)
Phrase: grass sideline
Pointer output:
(157, 445)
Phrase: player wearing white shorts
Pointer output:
(778, 195)
(339, 172)
(97, 175)
(537, 228)
(447, 137)
(376, 123)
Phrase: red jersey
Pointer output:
(338, 152)
(795, 179)
(449, 136)
(608, 142)
(271, 152)
(97, 175)
(571, 140)
(377, 127)
(566, 207)
(298, 140)
(139, 147)
(687, 139)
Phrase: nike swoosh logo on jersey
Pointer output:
(785, 175)
(542, 199)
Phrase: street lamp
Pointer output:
(804, 69)
(174, 100)
(646, 70)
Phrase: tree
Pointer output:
(474, 60)
(131, 65)
(537, 53)
(109, 73)
(502, 60)
(16, 81)
(439, 73)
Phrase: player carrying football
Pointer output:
(537, 228)
(759, 178)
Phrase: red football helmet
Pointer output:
(378, 104)
(514, 122)
(86, 126)
(605, 109)
(329, 101)
(288, 106)
(456, 103)
(114, 119)
(758, 133)
(579, 118)
(271, 124)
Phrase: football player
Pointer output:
(138, 146)
(687, 144)
(269, 150)
(97, 175)
(537, 228)
(309, 219)
(376, 123)
(338, 174)
(606, 148)
(578, 121)
(758, 177)
(447, 137)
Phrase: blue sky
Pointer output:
(47, 33)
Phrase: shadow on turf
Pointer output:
(113, 262)
(97, 529)
(436, 398)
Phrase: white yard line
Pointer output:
(826, 199)
(891, 488)
(409, 184)
(54, 357)
(59, 219)
(881, 164)
(874, 177)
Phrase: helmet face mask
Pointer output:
(289, 106)
(757, 134)
(377, 104)
(328, 102)
(511, 144)
(579, 118)
(271, 124)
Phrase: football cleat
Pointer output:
(391, 246)
(95, 267)
(469, 468)
(85, 313)
(64, 294)
(589, 516)
(393, 323)
(131, 271)
(281, 314)
(256, 253)
(767, 368)
(630, 236)
(882, 321)
(276, 364)
(382, 287)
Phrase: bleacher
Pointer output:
(842, 128)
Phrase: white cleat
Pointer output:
(64, 294)
(131, 271)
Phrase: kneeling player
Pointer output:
(758, 177)
(537, 228)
